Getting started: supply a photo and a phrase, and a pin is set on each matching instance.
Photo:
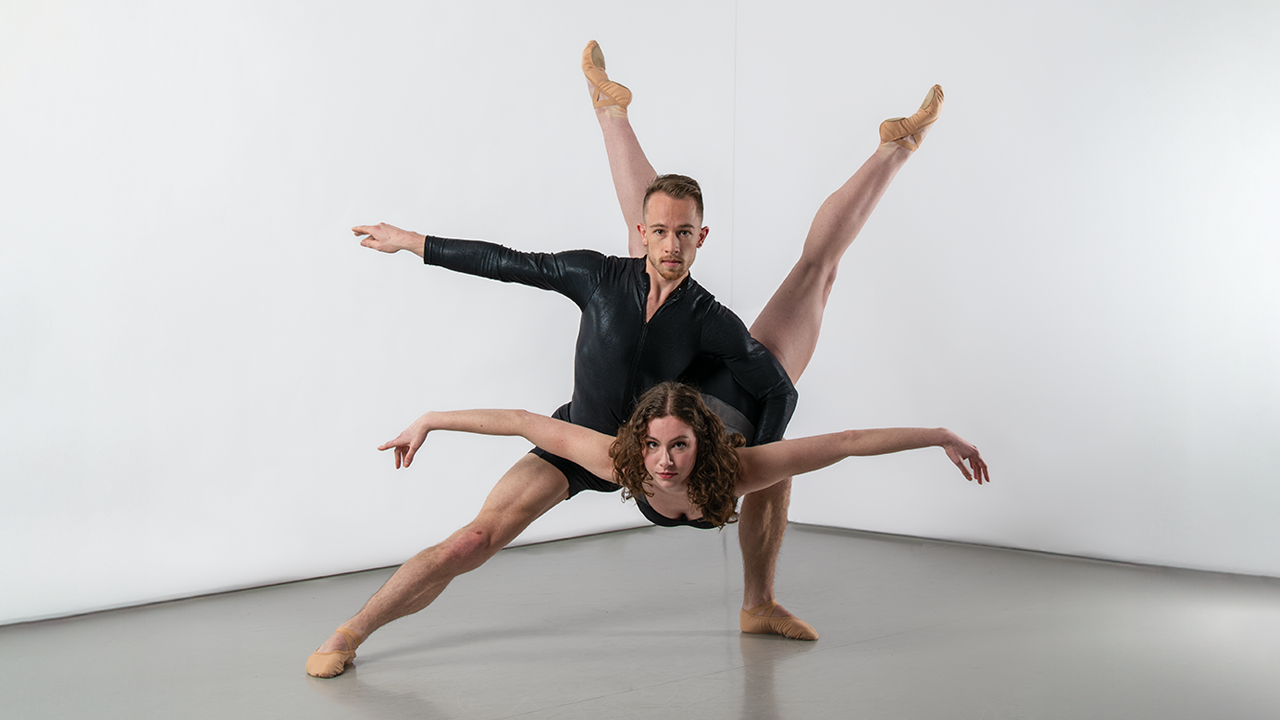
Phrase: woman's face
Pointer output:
(670, 451)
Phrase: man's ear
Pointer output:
(702, 235)
(644, 233)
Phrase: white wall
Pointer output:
(196, 359)
(199, 359)
(1078, 271)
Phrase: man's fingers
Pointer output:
(980, 470)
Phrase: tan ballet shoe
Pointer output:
(792, 627)
(897, 130)
(332, 664)
(604, 92)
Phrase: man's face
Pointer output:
(672, 234)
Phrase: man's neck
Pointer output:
(660, 289)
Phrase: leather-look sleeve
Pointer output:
(756, 370)
(574, 274)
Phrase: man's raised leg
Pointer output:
(527, 491)
(789, 326)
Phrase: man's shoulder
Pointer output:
(618, 266)
(703, 299)
(624, 261)
(596, 256)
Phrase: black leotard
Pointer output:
(619, 355)
(658, 518)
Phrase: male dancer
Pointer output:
(671, 233)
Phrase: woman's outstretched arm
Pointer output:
(583, 446)
(764, 465)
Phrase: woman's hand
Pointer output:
(408, 442)
(959, 451)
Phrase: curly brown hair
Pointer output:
(715, 470)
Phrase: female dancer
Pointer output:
(675, 456)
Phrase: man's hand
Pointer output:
(389, 238)
(408, 442)
(959, 451)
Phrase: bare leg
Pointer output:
(789, 326)
(631, 171)
(527, 491)
(790, 322)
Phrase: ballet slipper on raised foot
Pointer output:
(792, 627)
(604, 92)
(331, 664)
(897, 130)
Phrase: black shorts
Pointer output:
(579, 478)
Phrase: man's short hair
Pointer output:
(678, 187)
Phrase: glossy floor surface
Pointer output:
(643, 624)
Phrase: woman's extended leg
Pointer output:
(790, 322)
(631, 170)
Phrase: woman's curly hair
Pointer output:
(715, 469)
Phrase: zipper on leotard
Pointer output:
(635, 361)
(644, 331)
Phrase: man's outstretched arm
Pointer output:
(389, 238)
(574, 273)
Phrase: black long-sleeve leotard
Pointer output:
(619, 355)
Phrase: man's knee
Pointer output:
(470, 547)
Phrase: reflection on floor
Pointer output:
(643, 624)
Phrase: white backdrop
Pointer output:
(197, 359)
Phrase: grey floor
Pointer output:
(643, 624)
